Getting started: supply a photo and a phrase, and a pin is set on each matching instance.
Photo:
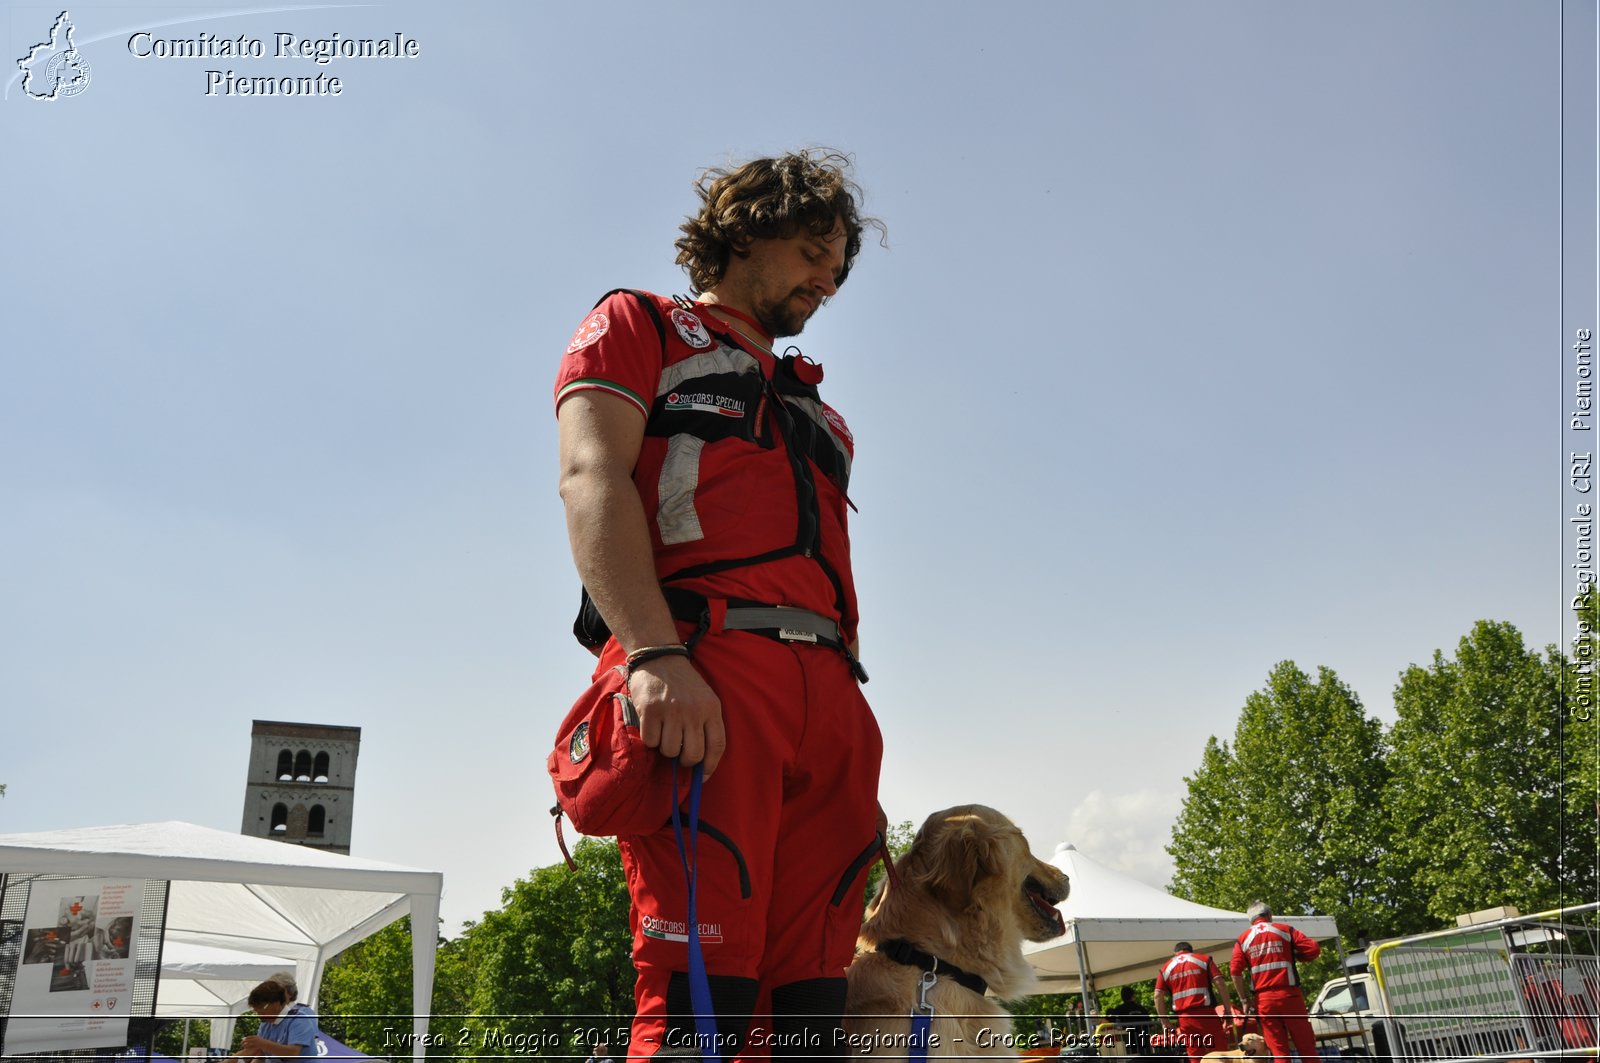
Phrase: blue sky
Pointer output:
(1208, 336)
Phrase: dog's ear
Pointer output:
(962, 851)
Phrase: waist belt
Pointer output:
(784, 623)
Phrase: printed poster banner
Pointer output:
(75, 983)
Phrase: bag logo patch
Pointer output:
(691, 328)
(578, 748)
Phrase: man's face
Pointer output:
(785, 281)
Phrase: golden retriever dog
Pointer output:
(947, 932)
(1251, 1046)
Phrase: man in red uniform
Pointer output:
(705, 489)
(1269, 949)
(1185, 986)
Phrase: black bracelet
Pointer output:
(652, 653)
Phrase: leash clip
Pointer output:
(929, 979)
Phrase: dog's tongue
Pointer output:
(1041, 902)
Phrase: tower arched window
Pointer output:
(280, 818)
(285, 765)
(319, 769)
(317, 822)
(302, 766)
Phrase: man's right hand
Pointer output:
(679, 714)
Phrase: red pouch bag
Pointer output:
(607, 781)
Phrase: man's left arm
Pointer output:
(1304, 947)
(1236, 968)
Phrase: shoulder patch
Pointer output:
(691, 329)
(593, 327)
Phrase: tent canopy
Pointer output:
(199, 981)
(1123, 929)
(252, 895)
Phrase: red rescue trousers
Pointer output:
(788, 831)
(1201, 1031)
(1284, 1023)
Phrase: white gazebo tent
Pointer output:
(255, 895)
(198, 981)
(1120, 930)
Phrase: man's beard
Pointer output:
(786, 316)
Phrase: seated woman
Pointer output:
(287, 1029)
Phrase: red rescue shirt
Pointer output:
(714, 473)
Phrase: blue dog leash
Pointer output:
(705, 1018)
(922, 1018)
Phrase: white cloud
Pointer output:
(1127, 831)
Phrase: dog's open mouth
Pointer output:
(1044, 901)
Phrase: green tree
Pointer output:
(170, 1036)
(555, 960)
(1475, 780)
(1289, 812)
(365, 998)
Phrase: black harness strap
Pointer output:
(649, 304)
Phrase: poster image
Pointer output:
(113, 938)
(75, 983)
(44, 945)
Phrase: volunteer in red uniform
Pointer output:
(705, 485)
(1190, 986)
(1270, 949)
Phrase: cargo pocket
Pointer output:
(710, 830)
(843, 922)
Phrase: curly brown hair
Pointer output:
(279, 989)
(770, 198)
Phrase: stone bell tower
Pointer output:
(301, 785)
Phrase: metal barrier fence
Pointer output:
(1562, 997)
(1518, 988)
(1453, 1002)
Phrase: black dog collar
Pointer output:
(901, 951)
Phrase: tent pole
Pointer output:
(1085, 983)
(424, 950)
